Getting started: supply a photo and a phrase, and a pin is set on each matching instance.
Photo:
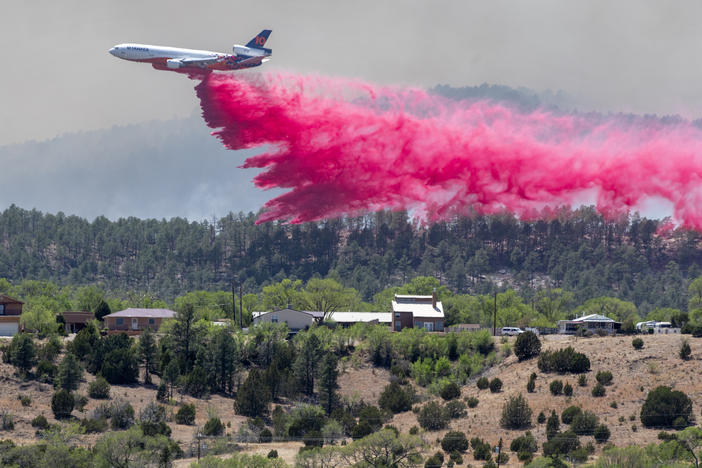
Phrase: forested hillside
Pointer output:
(577, 251)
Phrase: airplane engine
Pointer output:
(174, 64)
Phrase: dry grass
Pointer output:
(656, 364)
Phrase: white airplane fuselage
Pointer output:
(173, 58)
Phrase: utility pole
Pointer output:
(241, 306)
(233, 303)
(499, 451)
(494, 319)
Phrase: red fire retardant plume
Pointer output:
(344, 147)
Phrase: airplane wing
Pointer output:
(197, 62)
(251, 61)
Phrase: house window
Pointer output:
(120, 321)
(398, 326)
(429, 326)
(274, 318)
(439, 325)
(397, 315)
(2, 309)
(152, 321)
(418, 324)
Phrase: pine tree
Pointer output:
(22, 352)
(147, 353)
(69, 373)
(253, 397)
(328, 382)
(306, 363)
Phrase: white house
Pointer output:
(592, 322)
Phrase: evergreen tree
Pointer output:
(147, 353)
(102, 309)
(305, 365)
(70, 372)
(22, 352)
(253, 397)
(328, 382)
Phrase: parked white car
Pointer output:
(511, 331)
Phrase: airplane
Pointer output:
(252, 54)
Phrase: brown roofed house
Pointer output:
(134, 321)
(10, 311)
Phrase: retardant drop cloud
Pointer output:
(344, 147)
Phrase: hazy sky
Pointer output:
(628, 55)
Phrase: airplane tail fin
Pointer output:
(259, 41)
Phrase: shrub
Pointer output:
(495, 385)
(414, 430)
(598, 390)
(312, 439)
(434, 462)
(541, 418)
(569, 413)
(162, 392)
(604, 377)
(454, 441)
(93, 426)
(472, 402)
(531, 384)
(601, 434)
(99, 389)
(152, 419)
(214, 427)
(552, 425)
(502, 458)
(7, 421)
(455, 409)
(563, 361)
(516, 413)
(25, 400)
(264, 437)
(397, 399)
(46, 371)
(370, 414)
(584, 423)
(562, 443)
(40, 422)
(62, 404)
(361, 430)
(120, 366)
(582, 380)
(186, 415)
(481, 449)
(80, 402)
(272, 454)
(637, 343)
(567, 389)
(527, 346)
(685, 350)
(483, 383)
(524, 443)
(432, 417)
(456, 458)
(556, 387)
(679, 424)
(450, 391)
(122, 414)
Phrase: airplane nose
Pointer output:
(113, 51)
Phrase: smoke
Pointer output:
(344, 147)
